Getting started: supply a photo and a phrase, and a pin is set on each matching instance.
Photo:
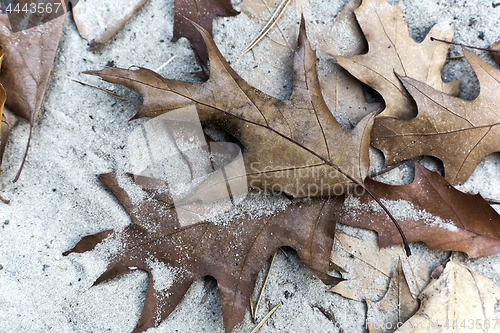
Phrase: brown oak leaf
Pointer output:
(428, 210)
(8, 119)
(26, 67)
(293, 146)
(203, 13)
(460, 300)
(458, 132)
(395, 308)
(232, 252)
(343, 93)
(391, 49)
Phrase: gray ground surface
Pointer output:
(83, 132)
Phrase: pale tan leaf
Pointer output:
(460, 300)
(391, 49)
(98, 21)
(397, 306)
(273, 55)
(369, 268)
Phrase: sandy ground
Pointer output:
(83, 132)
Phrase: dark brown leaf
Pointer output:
(202, 12)
(429, 210)
(458, 132)
(294, 146)
(232, 252)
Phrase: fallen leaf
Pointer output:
(5, 125)
(496, 47)
(460, 300)
(429, 210)
(98, 21)
(26, 67)
(395, 308)
(8, 119)
(232, 252)
(343, 94)
(458, 132)
(368, 268)
(203, 13)
(294, 146)
(390, 50)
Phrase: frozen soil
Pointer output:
(83, 132)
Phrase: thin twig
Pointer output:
(266, 318)
(89, 84)
(263, 287)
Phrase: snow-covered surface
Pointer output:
(83, 132)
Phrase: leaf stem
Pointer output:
(26, 151)
(460, 44)
(405, 242)
(4, 200)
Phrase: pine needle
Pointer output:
(166, 63)
(263, 287)
(251, 307)
(269, 25)
(88, 84)
(266, 318)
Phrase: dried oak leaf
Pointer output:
(428, 210)
(496, 48)
(203, 13)
(460, 300)
(458, 132)
(391, 49)
(343, 93)
(98, 21)
(5, 125)
(395, 308)
(26, 67)
(294, 146)
(232, 252)
(367, 268)
(8, 119)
